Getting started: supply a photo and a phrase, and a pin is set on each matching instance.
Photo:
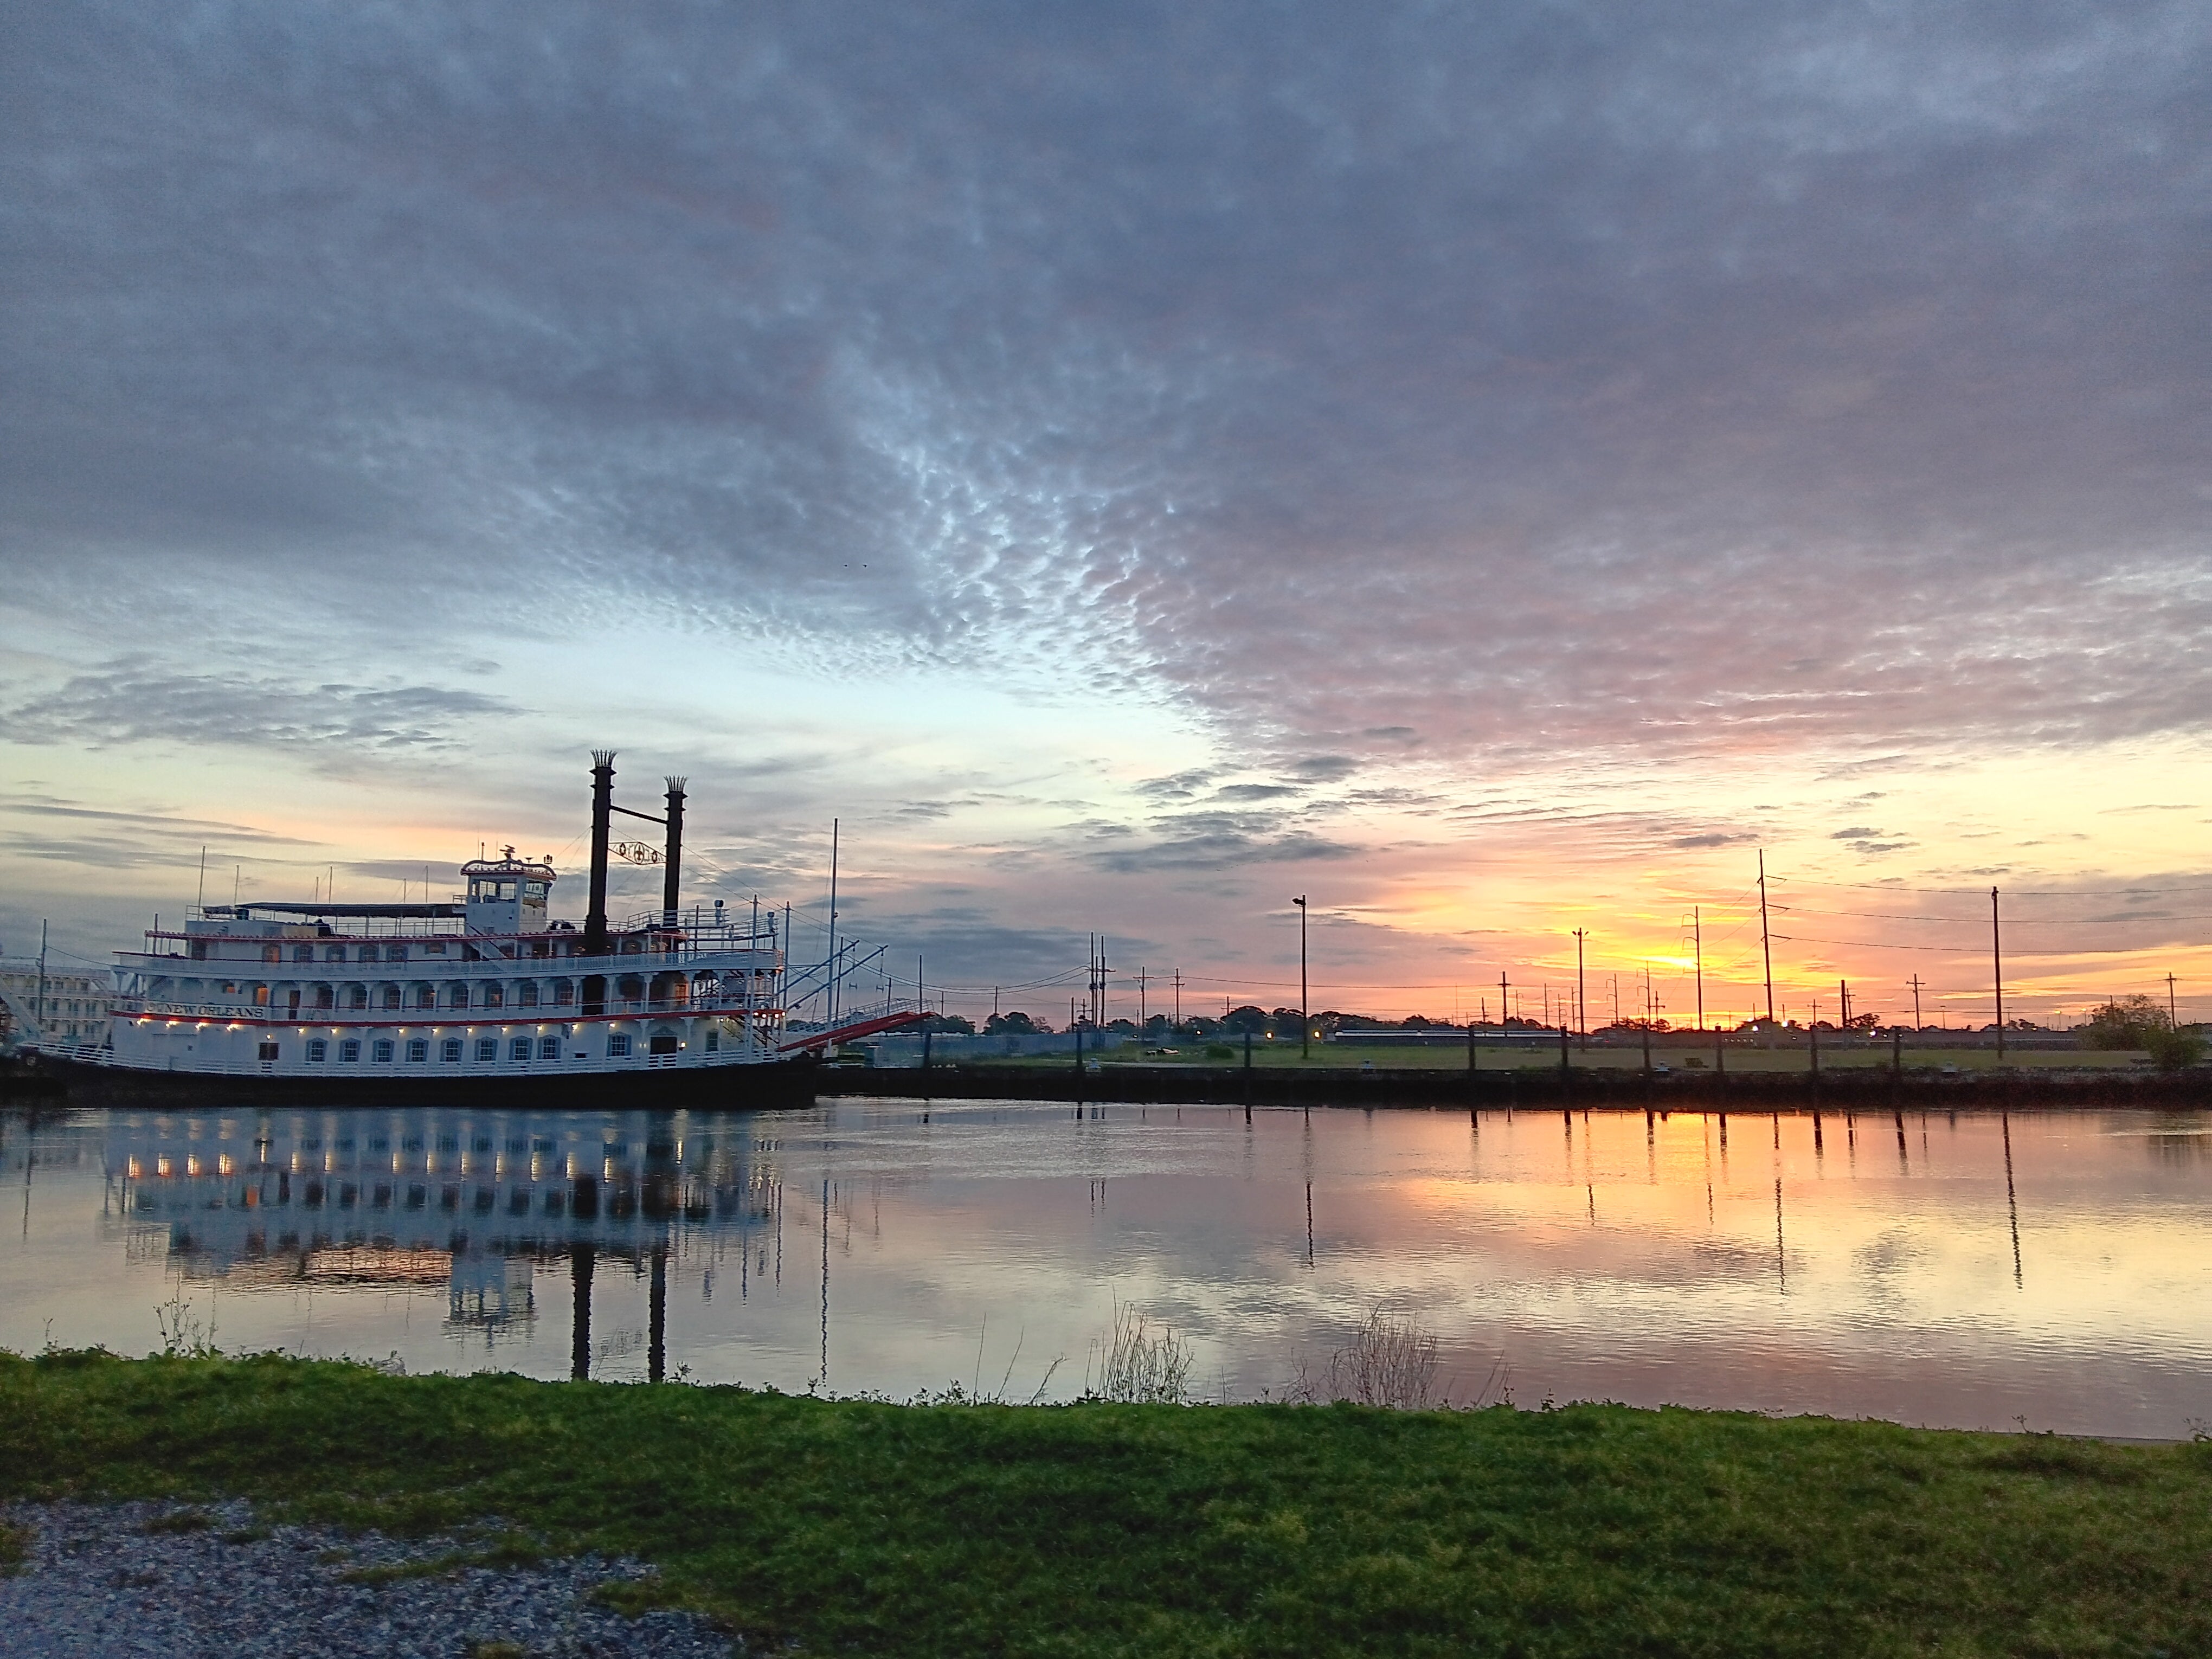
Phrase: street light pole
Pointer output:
(1305, 1013)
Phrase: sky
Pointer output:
(1494, 471)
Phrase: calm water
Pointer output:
(2050, 1271)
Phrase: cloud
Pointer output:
(136, 700)
(114, 840)
(1473, 379)
(1224, 846)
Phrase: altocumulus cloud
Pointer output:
(1559, 377)
(135, 702)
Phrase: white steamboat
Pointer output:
(479, 995)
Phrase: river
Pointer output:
(2050, 1270)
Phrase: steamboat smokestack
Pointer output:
(603, 804)
(673, 879)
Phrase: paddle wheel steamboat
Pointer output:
(477, 998)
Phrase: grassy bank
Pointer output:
(878, 1529)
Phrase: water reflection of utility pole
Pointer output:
(1904, 1164)
(1309, 1253)
(1708, 1138)
(2012, 1202)
(1781, 1263)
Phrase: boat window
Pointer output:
(268, 1050)
(563, 994)
(303, 953)
(507, 889)
(395, 953)
(475, 891)
(495, 996)
(381, 1051)
(317, 1050)
(199, 950)
(518, 1049)
(533, 892)
(334, 953)
(349, 1050)
(548, 1049)
(486, 1049)
(418, 1048)
(529, 997)
(617, 1045)
(270, 953)
(450, 1051)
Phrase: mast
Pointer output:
(832, 922)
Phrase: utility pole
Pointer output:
(1140, 997)
(1305, 1013)
(1996, 970)
(1502, 1026)
(1178, 996)
(1698, 938)
(39, 1006)
(1918, 985)
(1844, 996)
(1582, 994)
(1765, 941)
(2172, 1018)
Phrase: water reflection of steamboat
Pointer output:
(412, 1200)
(481, 998)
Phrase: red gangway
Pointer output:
(818, 1040)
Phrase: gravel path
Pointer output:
(181, 1582)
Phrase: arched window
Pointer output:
(459, 994)
(564, 992)
(528, 993)
(493, 994)
(303, 953)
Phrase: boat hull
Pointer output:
(759, 1087)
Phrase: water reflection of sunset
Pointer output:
(1975, 1269)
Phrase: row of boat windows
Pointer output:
(493, 892)
(374, 951)
(383, 1050)
(456, 993)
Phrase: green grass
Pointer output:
(857, 1527)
